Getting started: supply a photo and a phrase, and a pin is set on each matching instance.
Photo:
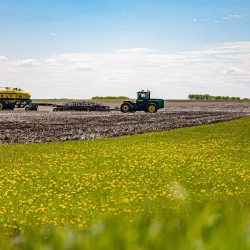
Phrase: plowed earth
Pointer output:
(19, 126)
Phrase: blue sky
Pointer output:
(39, 30)
(81, 25)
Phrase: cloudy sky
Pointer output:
(83, 48)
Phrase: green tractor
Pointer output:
(143, 103)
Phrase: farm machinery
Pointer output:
(15, 97)
(11, 98)
(81, 106)
(143, 103)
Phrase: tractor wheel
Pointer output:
(125, 108)
(27, 108)
(152, 108)
(1, 106)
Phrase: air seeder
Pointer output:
(15, 97)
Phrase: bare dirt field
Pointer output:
(19, 126)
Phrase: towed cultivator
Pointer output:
(81, 106)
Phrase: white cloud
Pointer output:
(219, 69)
(27, 63)
(115, 79)
(3, 58)
(232, 16)
(220, 19)
(137, 51)
(201, 20)
(76, 57)
(52, 62)
(82, 66)
(52, 34)
(237, 72)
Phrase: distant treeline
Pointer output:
(210, 97)
(110, 98)
(54, 99)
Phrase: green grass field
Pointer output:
(182, 189)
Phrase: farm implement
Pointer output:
(70, 106)
(81, 106)
(11, 98)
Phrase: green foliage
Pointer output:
(180, 189)
(58, 100)
(192, 226)
(110, 98)
(210, 97)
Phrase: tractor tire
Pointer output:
(151, 108)
(1, 106)
(125, 108)
(27, 108)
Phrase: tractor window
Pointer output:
(142, 95)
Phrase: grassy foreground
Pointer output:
(181, 189)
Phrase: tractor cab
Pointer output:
(142, 98)
(143, 95)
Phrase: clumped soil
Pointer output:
(44, 125)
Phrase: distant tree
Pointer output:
(210, 97)
(190, 96)
(110, 98)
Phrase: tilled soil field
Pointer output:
(45, 126)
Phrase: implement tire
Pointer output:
(1, 106)
(125, 108)
(152, 108)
